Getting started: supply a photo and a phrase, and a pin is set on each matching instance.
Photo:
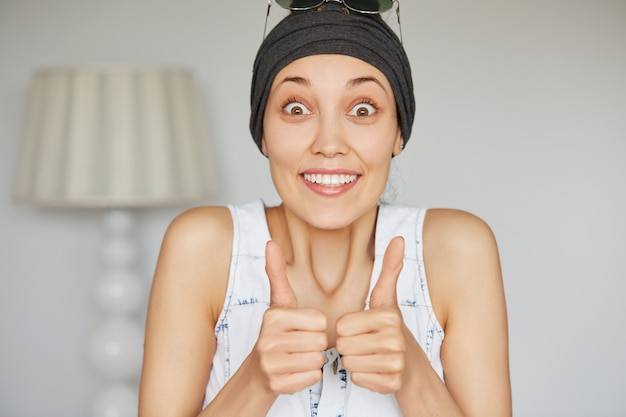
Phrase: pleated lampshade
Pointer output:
(114, 137)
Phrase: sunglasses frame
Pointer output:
(321, 2)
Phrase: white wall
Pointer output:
(521, 119)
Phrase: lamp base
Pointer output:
(118, 400)
(115, 348)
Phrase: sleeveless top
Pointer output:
(248, 296)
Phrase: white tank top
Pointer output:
(247, 298)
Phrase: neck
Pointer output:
(329, 258)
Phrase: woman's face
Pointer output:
(330, 130)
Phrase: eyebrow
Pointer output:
(351, 84)
(298, 80)
(362, 80)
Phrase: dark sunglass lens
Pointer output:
(370, 6)
(299, 4)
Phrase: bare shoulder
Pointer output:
(201, 228)
(461, 255)
(466, 288)
(457, 234)
(186, 299)
(199, 237)
(195, 254)
(451, 227)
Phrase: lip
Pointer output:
(330, 182)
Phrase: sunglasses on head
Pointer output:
(359, 6)
(363, 6)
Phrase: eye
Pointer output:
(295, 108)
(363, 110)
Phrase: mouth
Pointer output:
(330, 183)
(330, 180)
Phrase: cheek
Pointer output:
(375, 145)
(285, 141)
(284, 149)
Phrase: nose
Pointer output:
(330, 137)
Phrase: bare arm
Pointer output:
(187, 296)
(466, 287)
(187, 293)
(464, 277)
(287, 356)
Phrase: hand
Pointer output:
(374, 342)
(292, 340)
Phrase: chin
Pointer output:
(333, 217)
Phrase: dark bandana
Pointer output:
(332, 30)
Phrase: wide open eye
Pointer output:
(363, 110)
(296, 109)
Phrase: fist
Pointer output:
(373, 342)
(292, 339)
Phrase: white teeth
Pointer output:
(332, 180)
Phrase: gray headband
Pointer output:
(331, 30)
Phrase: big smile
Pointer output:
(330, 180)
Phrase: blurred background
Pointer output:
(521, 119)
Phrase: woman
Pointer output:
(332, 303)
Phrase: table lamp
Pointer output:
(115, 138)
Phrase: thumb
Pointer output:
(384, 293)
(281, 293)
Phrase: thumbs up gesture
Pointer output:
(292, 340)
(374, 342)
